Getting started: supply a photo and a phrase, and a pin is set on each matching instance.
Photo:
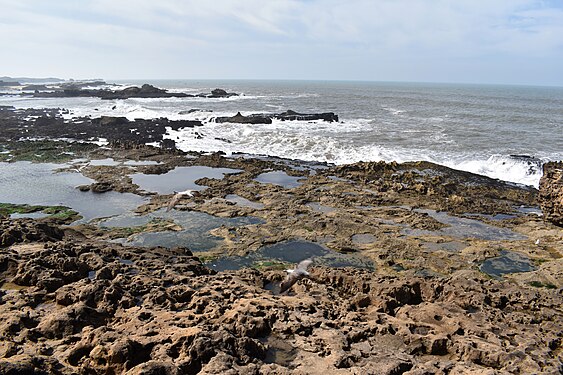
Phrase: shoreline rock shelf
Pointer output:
(127, 309)
(72, 302)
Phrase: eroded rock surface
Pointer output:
(551, 192)
(84, 307)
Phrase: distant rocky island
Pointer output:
(13, 80)
(145, 91)
(47, 88)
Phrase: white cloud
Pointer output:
(179, 36)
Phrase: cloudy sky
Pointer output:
(474, 41)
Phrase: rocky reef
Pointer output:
(422, 269)
(72, 90)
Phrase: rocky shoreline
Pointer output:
(75, 89)
(74, 301)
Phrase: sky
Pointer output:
(466, 41)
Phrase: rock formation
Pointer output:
(85, 307)
(266, 118)
(145, 91)
(240, 119)
(551, 192)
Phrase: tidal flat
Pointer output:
(417, 268)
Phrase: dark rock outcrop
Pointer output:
(26, 230)
(551, 192)
(240, 119)
(219, 93)
(289, 115)
(292, 115)
(49, 123)
(145, 91)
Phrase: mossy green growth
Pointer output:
(271, 264)
(45, 151)
(57, 212)
(6, 209)
(207, 258)
(540, 261)
(61, 213)
(539, 284)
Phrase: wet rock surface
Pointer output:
(289, 115)
(49, 123)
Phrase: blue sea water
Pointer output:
(504, 132)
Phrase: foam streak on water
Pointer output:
(468, 127)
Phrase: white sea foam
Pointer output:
(394, 111)
(381, 124)
(502, 167)
(320, 141)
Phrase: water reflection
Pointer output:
(279, 178)
(507, 262)
(179, 179)
(292, 251)
(243, 202)
(29, 215)
(464, 228)
(194, 234)
(37, 184)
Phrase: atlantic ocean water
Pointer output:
(504, 132)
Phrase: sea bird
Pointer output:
(296, 274)
(78, 168)
(177, 196)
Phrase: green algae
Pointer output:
(55, 212)
(45, 151)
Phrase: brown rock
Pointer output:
(551, 192)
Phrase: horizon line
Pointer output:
(293, 80)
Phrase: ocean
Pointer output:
(503, 132)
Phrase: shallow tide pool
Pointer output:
(194, 234)
(292, 251)
(38, 184)
(179, 179)
(507, 262)
(279, 178)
